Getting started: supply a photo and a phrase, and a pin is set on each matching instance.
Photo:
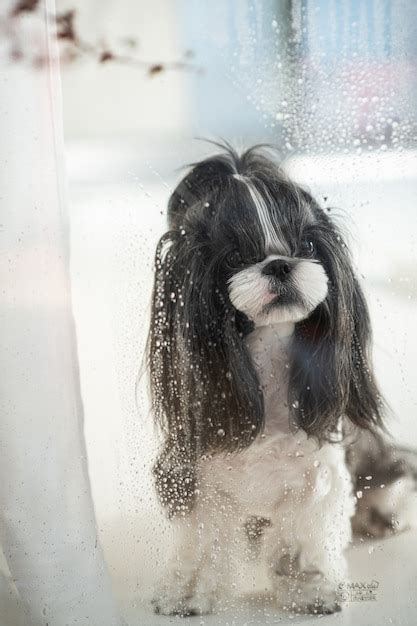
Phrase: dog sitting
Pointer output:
(262, 386)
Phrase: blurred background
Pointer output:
(332, 84)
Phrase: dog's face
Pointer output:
(261, 239)
(288, 281)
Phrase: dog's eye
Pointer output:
(307, 247)
(234, 258)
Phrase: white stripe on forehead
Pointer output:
(273, 235)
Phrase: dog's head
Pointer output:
(248, 247)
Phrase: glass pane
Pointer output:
(331, 85)
(259, 331)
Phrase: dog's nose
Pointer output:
(278, 268)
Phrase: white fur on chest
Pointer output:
(259, 478)
(268, 347)
(282, 459)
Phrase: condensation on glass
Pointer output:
(332, 84)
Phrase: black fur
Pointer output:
(205, 392)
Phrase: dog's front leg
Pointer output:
(197, 572)
(305, 549)
(307, 583)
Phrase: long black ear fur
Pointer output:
(205, 393)
(331, 373)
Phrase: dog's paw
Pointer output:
(186, 606)
(324, 606)
(320, 605)
(184, 595)
(301, 597)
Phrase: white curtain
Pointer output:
(52, 570)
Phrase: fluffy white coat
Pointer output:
(300, 493)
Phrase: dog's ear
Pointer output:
(204, 389)
(331, 373)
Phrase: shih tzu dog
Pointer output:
(262, 386)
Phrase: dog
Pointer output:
(274, 437)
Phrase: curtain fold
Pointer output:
(48, 530)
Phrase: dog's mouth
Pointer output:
(280, 295)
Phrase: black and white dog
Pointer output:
(262, 385)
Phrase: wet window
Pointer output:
(209, 290)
